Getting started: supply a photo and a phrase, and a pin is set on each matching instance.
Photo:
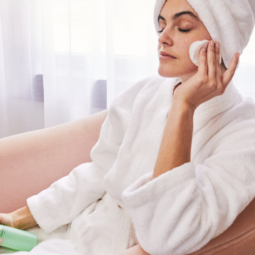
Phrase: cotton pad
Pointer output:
(194, 50)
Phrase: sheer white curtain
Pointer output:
(62, 60)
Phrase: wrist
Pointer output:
(22, 218)
(183, 107)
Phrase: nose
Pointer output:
(165, 38)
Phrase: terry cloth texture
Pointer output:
(176, 213)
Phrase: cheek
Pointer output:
(184, 49)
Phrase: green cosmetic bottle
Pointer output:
(17, 239)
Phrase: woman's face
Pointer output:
(176, 42)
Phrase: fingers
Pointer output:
(202, 67)
(209, 65)
(218, 70)
(228, 75)
(211, 61)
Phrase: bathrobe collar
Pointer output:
(212, 107)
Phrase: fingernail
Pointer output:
(212, 43)
(218, 45)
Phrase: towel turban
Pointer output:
(230, 22)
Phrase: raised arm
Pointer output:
(31, 161)
(174, 154)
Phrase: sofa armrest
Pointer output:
(30, 162)
(238, 239)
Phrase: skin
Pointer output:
(200, 84)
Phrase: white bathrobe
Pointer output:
(176, 213)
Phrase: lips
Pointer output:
(164, 53)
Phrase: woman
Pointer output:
(168, 174)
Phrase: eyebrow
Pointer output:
(177, 15)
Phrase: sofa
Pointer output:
(30, 162)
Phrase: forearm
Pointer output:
(174, 150)
(23, 218)
(176, 141)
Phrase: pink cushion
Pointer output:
(238, 239)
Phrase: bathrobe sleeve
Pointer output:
(69, 196)
(181, 210)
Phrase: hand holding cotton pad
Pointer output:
(195, 49)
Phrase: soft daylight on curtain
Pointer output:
(62, 60)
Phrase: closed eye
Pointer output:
(183, 31)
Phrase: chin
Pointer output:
(167, 72)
